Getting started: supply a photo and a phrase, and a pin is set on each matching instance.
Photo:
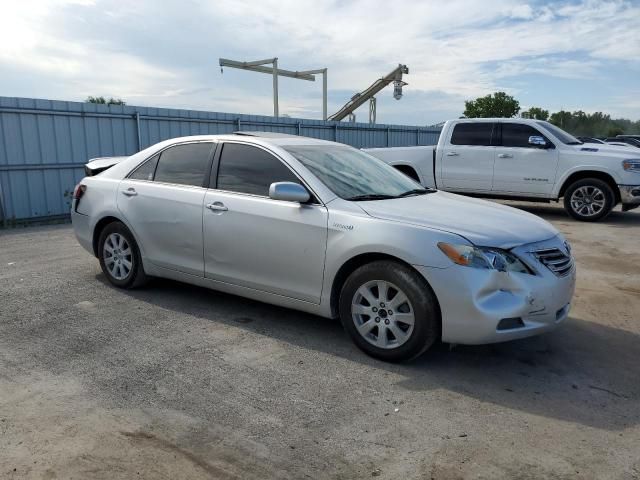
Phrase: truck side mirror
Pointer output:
(537, 141)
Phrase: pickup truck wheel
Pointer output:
(589, 200)
(389, 311)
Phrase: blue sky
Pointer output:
(562, 54)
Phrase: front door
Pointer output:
(522, 169)
(253, 241)
(467, 158)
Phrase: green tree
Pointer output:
(595, 124)
(614, 131)
(103, 101)
(498, 104)
(536, 113)
(561, 119)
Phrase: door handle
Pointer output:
(505, 155)
(217, 207)
(452, 154)
(130, 192)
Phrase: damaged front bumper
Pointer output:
(486, 306)
(629, 196)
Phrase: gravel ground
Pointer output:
(174, 381)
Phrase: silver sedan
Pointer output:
(327, 229)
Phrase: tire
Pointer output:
(400, 341)
(119, 257)
(589, 200)
(409, 172)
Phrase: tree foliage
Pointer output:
(103, 101)
(498, 104)
(536, 113)
(595, 124)
(598, 124)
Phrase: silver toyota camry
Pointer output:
(327, 229)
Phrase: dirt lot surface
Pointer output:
(178, 382)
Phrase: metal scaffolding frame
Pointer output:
(259, 66)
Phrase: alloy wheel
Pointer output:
(117, 256)
(382, 314)
(588, 201)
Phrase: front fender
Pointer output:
(584, 168)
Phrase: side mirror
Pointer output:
(289, 192)
(537, 141)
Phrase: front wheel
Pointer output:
(389, 311)
(589, 200)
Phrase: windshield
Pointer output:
(352, 174)
(560, 134)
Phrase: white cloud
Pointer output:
(152, 53)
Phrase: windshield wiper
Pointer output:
(416, 191)
(370, 196)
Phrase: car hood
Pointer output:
(481, 222)
(608, 150)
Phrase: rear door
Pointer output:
(522, 169)
(254, 241)
(162, 202)
(467, 158)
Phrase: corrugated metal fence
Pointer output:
(45, 143)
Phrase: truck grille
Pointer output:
(559, 262)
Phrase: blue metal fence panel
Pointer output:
(45, 143)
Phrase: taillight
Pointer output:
(79, 191)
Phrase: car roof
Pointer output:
(499, 119)
(260, 138)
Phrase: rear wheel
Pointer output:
(120, 257)
(389, 311)
(589, 200)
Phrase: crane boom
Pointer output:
(360, 98)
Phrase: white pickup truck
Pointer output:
(513, 158)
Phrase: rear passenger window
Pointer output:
(247, 169)
(184, 164)
(475, 133)
(517, 135)
(146, 170)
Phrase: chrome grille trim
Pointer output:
(559, 262)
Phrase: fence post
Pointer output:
(2, 211)
(388, 136)
(335, 133)
(299, 129)
(137, 116)
(417, 137)
(238, 122)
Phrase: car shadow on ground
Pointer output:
(555, 212)
(583, 372)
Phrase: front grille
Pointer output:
(559, 262)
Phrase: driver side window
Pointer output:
(517, 135)
(248, 169)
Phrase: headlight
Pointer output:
(631, 165)
(483, 257)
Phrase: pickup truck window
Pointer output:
(560, 134)
(472, 133)
(517, 135)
